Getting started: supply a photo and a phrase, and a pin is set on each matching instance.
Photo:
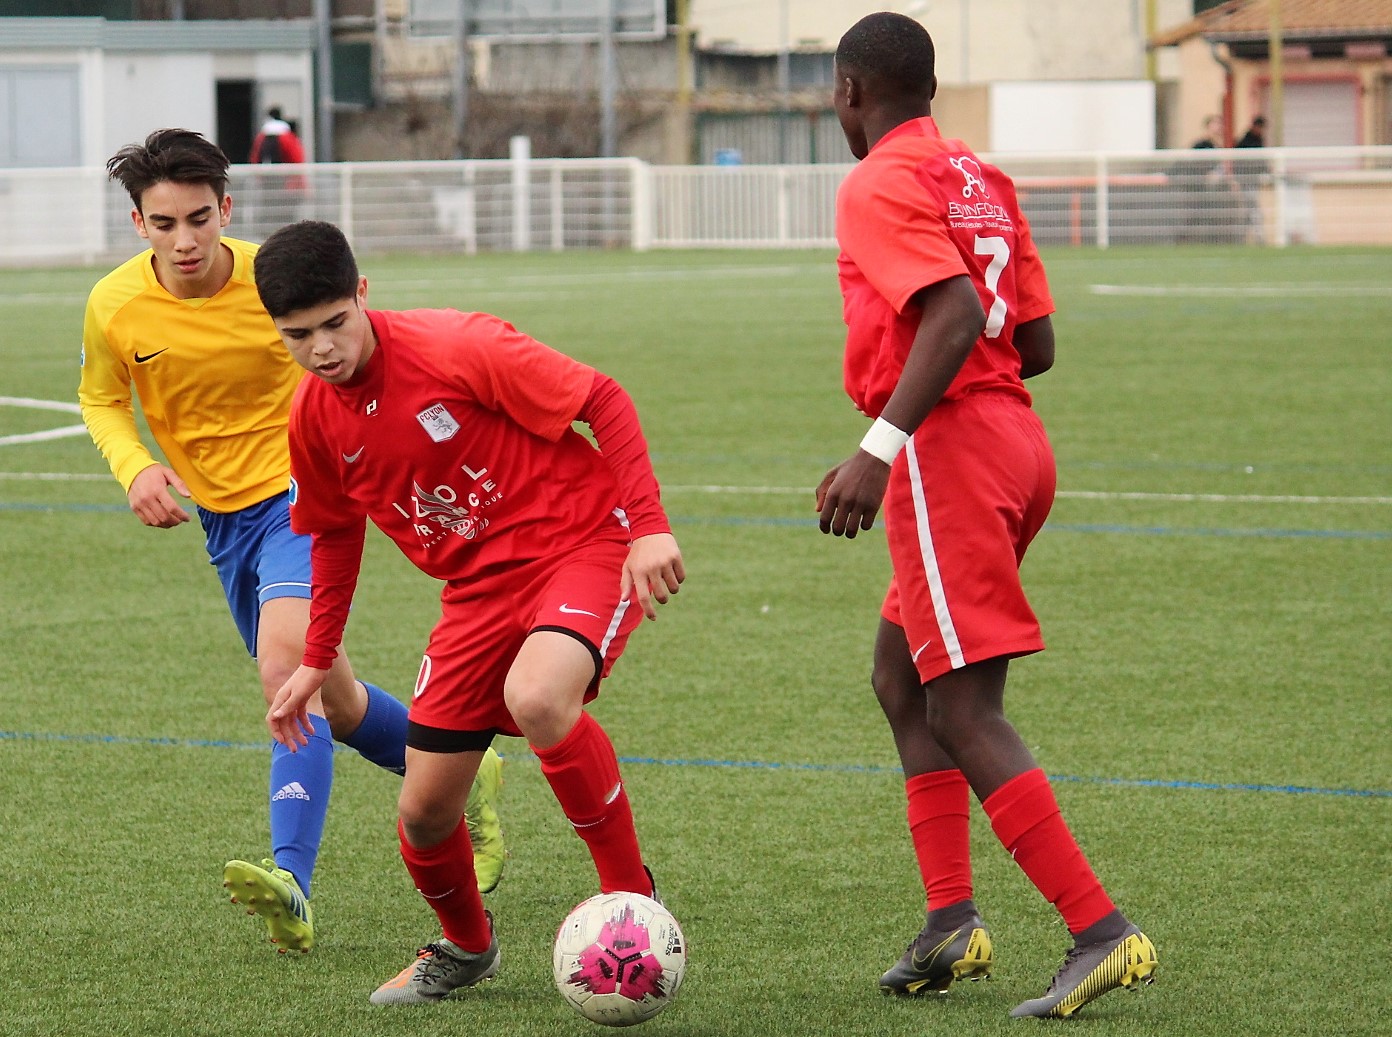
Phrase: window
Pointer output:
(39, 124)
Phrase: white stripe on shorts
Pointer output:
(930, 561)
(614, 626)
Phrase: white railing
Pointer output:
(1290, 195)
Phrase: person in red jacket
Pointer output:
(947, 310)
(453, 433)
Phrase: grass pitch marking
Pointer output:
(1307, 289)
(1203, 498)
(52, 433)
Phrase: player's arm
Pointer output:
(850, 494)
(544, 391)
(335, 561)
(654, 567)
(337, 527)
(1034, 341)
(104, 394)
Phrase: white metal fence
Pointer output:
(1272, 197)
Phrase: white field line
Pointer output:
(1309, 289)
(1203, 498)
(1101, 495)
(52, 433)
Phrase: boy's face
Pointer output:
(183, 224)
(332, 340)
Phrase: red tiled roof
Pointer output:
(1300, 20)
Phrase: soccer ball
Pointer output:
(619, 958)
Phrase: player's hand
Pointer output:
(288, 717)
(652, 571)
(850, 495)
(151, 500)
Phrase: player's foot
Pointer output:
(937, 956)
(439, 969)
(485, 831)
(1089, 970)
(273, 894)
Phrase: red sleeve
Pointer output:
(612, 417)
(335, 559)
(892, 228)
(319, 507)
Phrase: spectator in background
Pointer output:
(1255, 137)
(267, 145)
(1249, 173)
(276, 143)
(1212, 133)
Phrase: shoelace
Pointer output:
(437, 966)
(1069, 958)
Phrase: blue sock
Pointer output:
(300, 784)
(381, 737)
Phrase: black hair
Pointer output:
(892, 48)
(273, 111)
(305, 264)
(181, 156)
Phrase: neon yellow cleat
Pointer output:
(485, 830)
(1090, 971)
(273, 894)
(935, 959)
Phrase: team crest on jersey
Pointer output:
(438, 422)
(974, 184)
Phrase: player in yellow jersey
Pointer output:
(183, 325)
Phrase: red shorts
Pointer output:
(483, 623)
(965, 498)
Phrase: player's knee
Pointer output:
(427, 821)
(534, 707)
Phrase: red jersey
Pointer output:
(919, 209)
(456, 441)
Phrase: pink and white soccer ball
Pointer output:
(619, 958)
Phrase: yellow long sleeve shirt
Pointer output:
(212, 377)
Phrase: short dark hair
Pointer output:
(893, 48)
(181, 156)
(273, 111)
(304, 264)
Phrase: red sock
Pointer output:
(444, 875)
(939, 802)
(1028, 823)
(584, 774)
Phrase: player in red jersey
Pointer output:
(947, 310)
(452, 432)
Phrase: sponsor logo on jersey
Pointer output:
(443, 508)
(974, 180)
(149, 356)
(438, 422)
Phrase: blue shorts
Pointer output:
(258, 558)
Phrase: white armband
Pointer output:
(884, 441)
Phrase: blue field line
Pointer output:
(758, 765)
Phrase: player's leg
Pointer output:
(278, 888)
(545, 692)
(967, 717)
(953, 943)
(439, 857)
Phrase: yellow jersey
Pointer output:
(213, 379)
